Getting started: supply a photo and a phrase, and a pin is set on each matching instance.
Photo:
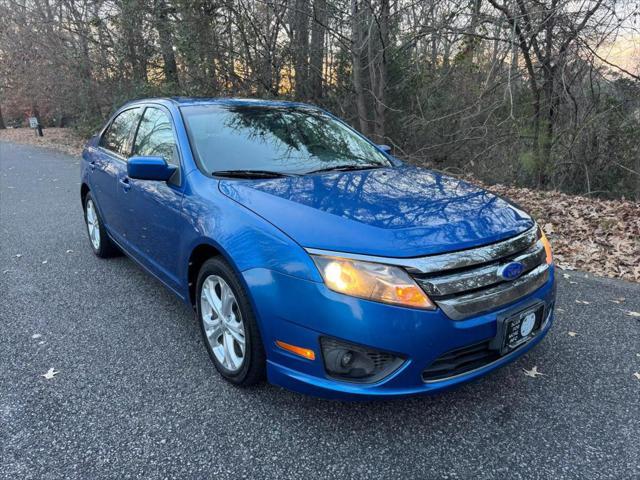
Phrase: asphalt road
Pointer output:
(136, 395)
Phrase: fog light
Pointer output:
(356, 363)
(346, 359)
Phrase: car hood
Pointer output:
(392, 212)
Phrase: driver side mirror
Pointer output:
(150, 168)
(385, 148)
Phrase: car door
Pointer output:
(153, 208)
(107, 164)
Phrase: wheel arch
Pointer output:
(200, 253)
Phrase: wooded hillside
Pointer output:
(513, 91)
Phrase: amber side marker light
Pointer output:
(302, 352)
(547, 247)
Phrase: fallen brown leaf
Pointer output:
(599, 236)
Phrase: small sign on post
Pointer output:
(33, 123)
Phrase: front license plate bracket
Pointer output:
(510, 328)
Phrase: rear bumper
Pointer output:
(299, 312)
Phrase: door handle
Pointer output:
(92, 164)
(124, 181)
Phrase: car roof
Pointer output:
(188, 101)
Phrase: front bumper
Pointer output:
(299, 312)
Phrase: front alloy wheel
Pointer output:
(228, 324)
(223, 325)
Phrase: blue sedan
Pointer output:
(311, 256)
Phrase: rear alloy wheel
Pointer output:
(228, 324)
(93, 225)
(101, 244)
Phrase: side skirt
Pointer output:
(146, 269)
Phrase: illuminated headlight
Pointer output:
(372, 281)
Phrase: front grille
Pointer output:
(460, 361)
(468, 282)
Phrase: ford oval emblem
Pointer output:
(510, 271)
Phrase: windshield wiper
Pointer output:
(346, 168)
(250, 174)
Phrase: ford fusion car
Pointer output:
(311, 256)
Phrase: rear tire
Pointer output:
(99, 239)
(228, 325)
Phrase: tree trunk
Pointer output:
(470, 39)
(434, 36)
(2, 125)
(356, 68)
(301, 48)
(550, 104)
(268, 77)
(446, 53)
(317, 48)
(131, 13)
(380, 66)
(165, 37)
(549, 69)
(86, 70)
(102, 34)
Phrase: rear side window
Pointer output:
(155, 137)
(117, 136)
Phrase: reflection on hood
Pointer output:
(396, 212)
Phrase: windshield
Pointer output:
(292, 140)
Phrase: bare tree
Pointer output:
(165, 36)
(545, 35)
(359, 39)
(317, 49)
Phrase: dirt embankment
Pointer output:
(63, 139)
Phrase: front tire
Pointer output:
(228, 325)
(99, 240)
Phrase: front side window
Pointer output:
(155, 137)
(293, 140)
(117, 136)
